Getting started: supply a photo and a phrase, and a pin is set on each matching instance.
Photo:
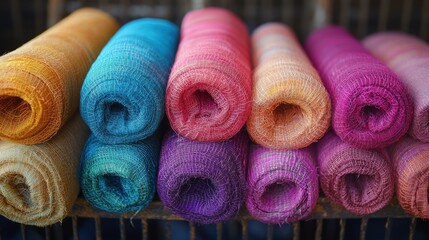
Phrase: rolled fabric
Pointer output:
(408, 57)
(358, 179)
(282, 185)
(120, 178)
(122, 97)
(371, 107)
(40, 183)
(411, 168)
(290, 106)
(209, 90)
(41, 80)
(203, 182)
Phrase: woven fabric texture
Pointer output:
(203, 182)
(282, 185)
(41, 80)
(371, 107)
(209, 90)
(39, 183)
(411, 168)
(120, 178)
(290, 106)
(408, 57)
(358, 179)
(122, 98)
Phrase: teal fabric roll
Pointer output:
(122, 97)
(120, 178)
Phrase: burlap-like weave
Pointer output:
(203, 182)
(122, 97)
(209, 90)
(40, 81)
(40, 183)
(408, 57)
(120, 178)
(411, 168)
(371, 106)
(360, 180)
(290, 106)
(282, 185)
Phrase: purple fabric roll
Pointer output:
(282, 184)
(371, 107)
(203, 182)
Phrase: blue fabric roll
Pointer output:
(120, 178)
(122, 97)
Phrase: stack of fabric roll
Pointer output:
(122, 102)
(291, 109)
(203, 158)
(408, 57)
(371, 110)
(39, 98)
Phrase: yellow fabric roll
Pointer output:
(40, 183)
(290, 106)
(40, 81)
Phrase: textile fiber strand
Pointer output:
(203, 182)
(122, 97)
(120, 178)
(358, 179)
(209, 90)
(282, 185)
(371, 106)
(290, 106)
(40, 81)
(408, 57)
(40, 183)
(411, 168)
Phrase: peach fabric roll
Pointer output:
(411, 167)
(291, 107)
(40, 183)
(40, 81)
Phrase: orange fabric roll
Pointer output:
(40, 81)
(291, 107)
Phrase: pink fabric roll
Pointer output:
(360, 180)
(411, 168)
(209, 90)
(408, 57)
(371, 106)
(282, 185)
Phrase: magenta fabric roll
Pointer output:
(209, 90)
(411, 168)
(203, 182)
(371, 107)
(282, 184)
(408, 57)
(360, 180)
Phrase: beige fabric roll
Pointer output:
(40, 183)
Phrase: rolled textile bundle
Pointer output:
(41, 80)
(203, 182)
(411, 168)
(282, 185)
(371, 107)
(209, 90)
(122, 97)
(120, 178)
(291, 107)
(408, 57)
(360, 180)
(39, 183)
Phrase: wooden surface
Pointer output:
(324, 210)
